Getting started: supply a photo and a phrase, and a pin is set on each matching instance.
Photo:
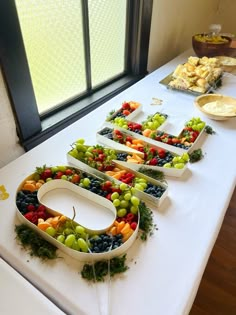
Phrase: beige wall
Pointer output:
(173, 24)
(10, 149)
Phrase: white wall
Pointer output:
(9, 147)
(173, 24)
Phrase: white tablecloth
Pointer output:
(165, 272)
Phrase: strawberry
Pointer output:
(68, 172)
(125, 106)
(153, 151)
(47, 173)
(137, 126)
(75, 178)
(133, 225)
(161, 153)
(153, 161)
(59, 175)
(108, 196)
(126, 112)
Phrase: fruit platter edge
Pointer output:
(81, 256)
(112, 144)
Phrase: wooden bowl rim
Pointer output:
(213, 44)
(214, 97)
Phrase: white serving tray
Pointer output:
(172, 172)
(97, 200)
(113, 144)
(151, 141)
(153, 201)
(131, 115)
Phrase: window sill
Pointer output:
(55, 123)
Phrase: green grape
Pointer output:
(121, 212)
(114, 196)
(86, 182)
(64, 177)
(68, 231)
(124, 203)
(80, 147)
(167, 165)
(127, 196)
(135, 201)
(90, 149)
(73, 153)
(61, 238)
(69, 240)
(116, 202)
(79, 229)
(139, 187)
(123, 186)
(179, 165)
(81, 141)
(185, 157)
(62, 168)
(144, 185)
(134, 209)
(51, 231)
(54, 169)
(83, 245)
(75, 245)
(88, 154)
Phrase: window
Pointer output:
(61, 59)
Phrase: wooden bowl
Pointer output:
(202, 100)
(210, 49)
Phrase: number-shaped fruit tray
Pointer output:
(154, 197)
(135, 162)
(159, 136)
(128, 110)
(48, 209)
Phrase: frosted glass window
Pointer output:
(107, 28)
(53, 38)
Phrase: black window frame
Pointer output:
(32, 129)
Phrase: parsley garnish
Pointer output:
(146, 223)
(34, 243)
(195, 156)
(99, 269)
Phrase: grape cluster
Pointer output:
(104, 243)
(25, 198)
(154, 190)
(121, 156)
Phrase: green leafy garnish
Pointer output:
(195, 156)
(146, 223)
(34, 243)
(109, 116)
(99, 270)
(152, 173)
(209, 130)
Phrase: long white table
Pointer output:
(165, 272)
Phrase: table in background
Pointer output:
(165, 272)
